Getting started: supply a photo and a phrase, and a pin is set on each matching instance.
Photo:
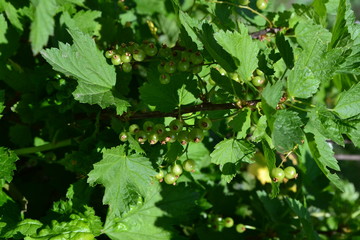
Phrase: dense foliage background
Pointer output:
(255, 87)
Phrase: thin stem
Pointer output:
(244, 7)
(298, 108)
(43, 148)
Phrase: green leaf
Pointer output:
(84, 21)
(354, 134)
(150, 7)
(43, 23)
(2, 101)
(242, 47)
(229, 154)
(226, 83)
(304, 217)
(134, 145)
(285, 50)
(323, 155)
(124, 178)
(3, 29)
(180, 91)
(315, 64)
(11, 14)
(191, 26)
(7, 164)
(241, 123)
(26, 227)
(286, 131)
(271, 164)
(216, 51)
(272, 93)
(87, 64)
(260, 131)
(349, 102)
(326, 123)
(153, 219)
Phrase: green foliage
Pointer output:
(265, 98)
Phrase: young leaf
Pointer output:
(191, 26)
(84, 21)
(229, 153)
(271, 163)
(43, 24)
(323, 155)
(226, 83)
(315, 64)
(305, 218)
(272, 93)
(3, 29)
(223, 58)
(11, 14)
(124, 177)
(26, 227)
(285, 50)
(7, 164)
(326, 123)
(155, 217)
(349, 103)
(242, 47)
(241, 123)
(2, 101)
(286, 130)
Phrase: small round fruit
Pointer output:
(244, 2)
(228, 222)
(151, 50)
(258, 81)
(126, 67)
(161, 68)
(176, 125)
(139, 55)
(183, 65)
(164, 51)
(170, 136)
(159, 128)
(259, 72)
(170, 67)
(196, 69)
(240, 228)
(196, 135)
(277, 174)
(153, 138)
(290, 172)
(176, 169)
(261, 4)
(164, 78)
(183, 137)
(126, 57)
(205, 123)
(160, 175)
(115, 59)
(189, 165)
(123, 136)
(134, 128)
(170, 178)
(109, 53)
(148, 126)
(196, 58)
(141, 136)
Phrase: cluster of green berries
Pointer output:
(175, 170)
(217, 222)
(175, 60)
(126, 54)
(278, 174)
(260, 4)
(171, 60)
(257, 79)
(154, 133)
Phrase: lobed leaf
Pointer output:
(242, 47)
(43, 23)
(349, 103)
(7, 164)
(3, 29)
(272, 93)
(286, 130)
(125, 177)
